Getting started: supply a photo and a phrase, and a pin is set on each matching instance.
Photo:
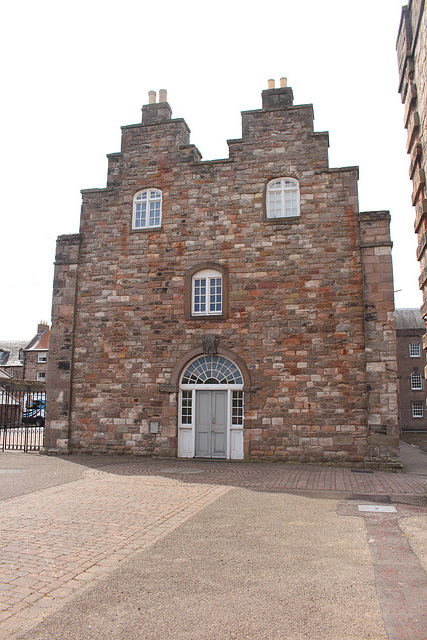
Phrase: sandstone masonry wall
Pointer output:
(310, 299)
(59, 368)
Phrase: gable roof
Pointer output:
(40, 341)
(409, 319)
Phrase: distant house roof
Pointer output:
(40, 342)
(409, 319)
(9, 353)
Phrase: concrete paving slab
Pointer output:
(414, 459)
(22, 473)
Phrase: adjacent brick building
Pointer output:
(411, 361)
(27, 360)
(238, 308)
(412, 61)
(36, 355)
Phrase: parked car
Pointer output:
(34, 410)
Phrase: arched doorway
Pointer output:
(211, 409)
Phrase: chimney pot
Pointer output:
(151, 97)
(163, 95)
(271, 84)
(283, 83)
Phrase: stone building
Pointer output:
(412, 61)
(239, 308)
(411, 361)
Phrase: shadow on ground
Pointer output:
(418, 439)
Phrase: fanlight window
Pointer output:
(212, 370)
(283, 199)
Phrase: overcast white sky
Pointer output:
(73, 73)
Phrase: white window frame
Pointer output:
(416, 381)
(41, 376)
(415, 350)
(150, 216)
(417, 410)
(202, 298)
(42, 357)
(279, 192)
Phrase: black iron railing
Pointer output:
(22, 415)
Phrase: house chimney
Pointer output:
(156, 112)
(42, 327)
(280, 98)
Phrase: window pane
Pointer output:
(140, 214)
(414, 350)
(154, 213)
(186, 407)
(275, 204)
(283, 198)
(215, 295)
(417, 410)
(416, 381)
(237, 408)
(200, 295)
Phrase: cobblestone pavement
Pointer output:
(57, 541)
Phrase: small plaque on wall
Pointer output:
(154, 427)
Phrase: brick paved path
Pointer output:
(56, 541)
(272, 476)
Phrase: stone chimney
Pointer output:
(281, 98)
(156, 112)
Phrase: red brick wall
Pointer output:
(406, 365)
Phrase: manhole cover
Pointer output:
(376, 508)
(182, 471)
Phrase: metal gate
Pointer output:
(22, 415)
